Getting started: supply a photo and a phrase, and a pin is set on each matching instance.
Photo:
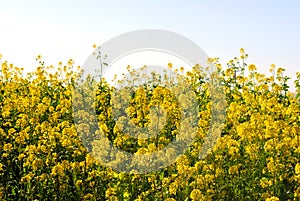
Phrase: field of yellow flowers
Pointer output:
(257, 156)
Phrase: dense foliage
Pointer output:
(257, 156)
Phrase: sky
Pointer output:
(59, 30)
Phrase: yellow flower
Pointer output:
(229, 72)
(264, 182)
(110, 192)
(280, 70)
(88, 196)
(252, 67)
(21, 156)
(78, 183)
(11, 131)
(36, 164)
(242, 51)
(297, 168)
(94, 46)
(57, 170)
(170, 199)
(210, 60)
(39, 57)
(273, 198)
(7, 147)
(1, 56)
(6, 114)
(173, 188)
(196, 195)
(27, 177)
(272, 69)
(126, 195)
(5, 155)
(234, 169)
(233, 150)
(70, 62)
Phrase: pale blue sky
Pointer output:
(59, 30)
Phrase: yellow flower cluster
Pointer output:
(42, 157)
